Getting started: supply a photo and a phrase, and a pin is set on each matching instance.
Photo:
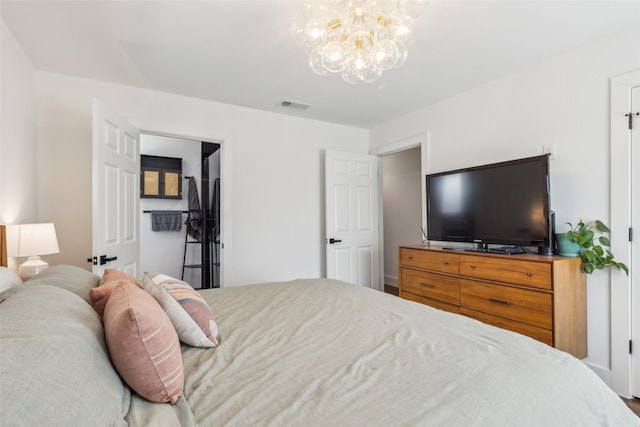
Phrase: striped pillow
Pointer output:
(191, 315)
(143, 345)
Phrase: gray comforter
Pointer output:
(299, 353)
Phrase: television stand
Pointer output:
(540, 296)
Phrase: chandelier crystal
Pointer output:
(358, 38)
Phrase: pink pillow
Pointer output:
(110, 279)
(189, 312)
(143, 345)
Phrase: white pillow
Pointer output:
(8, 279)
(189, 312)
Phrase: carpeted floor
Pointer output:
(634, 404)
(391, 290)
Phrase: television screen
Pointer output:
(502, 203)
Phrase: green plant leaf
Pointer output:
(604, 240)
(582, 229)
(585, 238)
(596, 253)
(601, 227)
(622, 267)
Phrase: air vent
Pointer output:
(294, 105)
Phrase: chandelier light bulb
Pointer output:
(334, 56)
(315, 61)
(315, 33)
(358, 38)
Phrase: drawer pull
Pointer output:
(446, 263)
(499, 301)
(529, 274)
(473, 267)
(410, 257)
(427, 285)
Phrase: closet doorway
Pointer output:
(192, 252)
(402, 207)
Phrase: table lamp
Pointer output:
(32, 240)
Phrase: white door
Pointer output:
(116, 189)
(625, 214)
(351, 212)
(635, 244)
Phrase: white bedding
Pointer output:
(326, 353)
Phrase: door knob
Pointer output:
(104, 259)
(332, 241)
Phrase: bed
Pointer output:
(311, 352)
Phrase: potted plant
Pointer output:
(594, 246)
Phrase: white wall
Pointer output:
(17, 133)
(564, 102)
(274, 167)
(402, 205)
(18, 201)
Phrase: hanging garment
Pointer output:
(194, 220)
(166, 220)
(215, 209)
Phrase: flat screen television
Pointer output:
(503, 203)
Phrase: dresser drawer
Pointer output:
(540, 334)
(531, 307)
(429, 260)
(431, 302)
(431, 285)
(527, 273)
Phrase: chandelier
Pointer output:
(358, 38)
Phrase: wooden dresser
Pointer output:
(543, 297)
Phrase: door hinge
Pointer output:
(630, 115)
(630, 234)
(630, 347)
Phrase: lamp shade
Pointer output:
(31, 240)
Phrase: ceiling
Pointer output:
(242, 52)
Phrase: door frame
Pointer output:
(225, 193)
(418, 140)
(620, 193)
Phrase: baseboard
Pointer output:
(391, 281)
(602, 372)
